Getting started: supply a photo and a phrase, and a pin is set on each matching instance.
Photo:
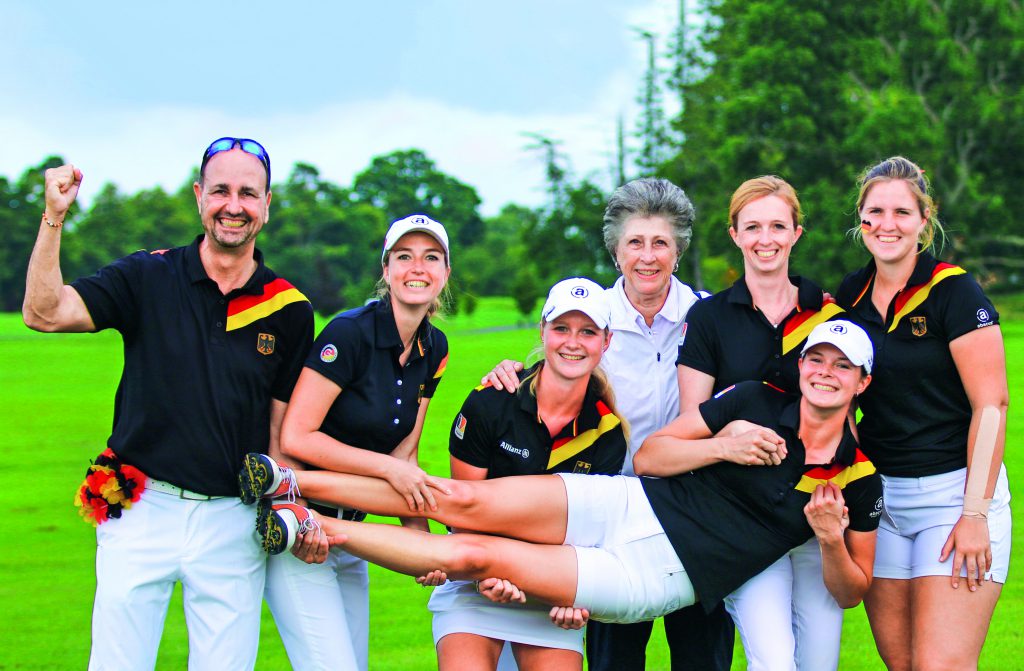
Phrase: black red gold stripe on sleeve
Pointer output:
(800, 325)
(441, 367)
(568, 448)
(244, 310)
(911, 298)
(839, 474)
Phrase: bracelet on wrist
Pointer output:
(52, 224)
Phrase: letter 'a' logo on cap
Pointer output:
(579, 291)
(837, 328)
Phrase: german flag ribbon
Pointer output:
(569, 447)
(800, 325)
(911, 298)
(244, 310)
(837, 473)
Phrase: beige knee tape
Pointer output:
(975, 503)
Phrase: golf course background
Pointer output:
(58, 394)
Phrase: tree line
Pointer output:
(814, 92)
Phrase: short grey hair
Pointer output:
(648, 197)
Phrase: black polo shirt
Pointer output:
(358, 351)
(200, 367)
(503, 433)
(728, 522)
(728, 338)
(916, 412)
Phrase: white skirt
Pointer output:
(459, 608)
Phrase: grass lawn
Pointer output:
(58, 393)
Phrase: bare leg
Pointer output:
(532, 508)
(468, 652)
(536, 658)
(888, 607)
(949, 625)
(545, 572)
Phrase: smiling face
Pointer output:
(828, 379)
(765, 232)
(894, 221)
(233, 200)
(573, 345)
(646, 254)
(415, 270)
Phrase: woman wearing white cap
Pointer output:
(359, 407)
(562, 420)
(647, 227)
(631, 549)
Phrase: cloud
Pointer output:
(138, 144)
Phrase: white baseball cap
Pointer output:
(577, 293)
(848, 337)
(416, 223)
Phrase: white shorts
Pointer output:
(628, 569)
(459, 608)
(918, 517)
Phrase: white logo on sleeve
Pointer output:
(878, 508)
(508, 447)
(984, 318)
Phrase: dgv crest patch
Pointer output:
(918, 326)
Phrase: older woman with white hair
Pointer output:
(647, 227)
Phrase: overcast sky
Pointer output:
(131, 92)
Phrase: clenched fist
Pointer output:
(61, 190)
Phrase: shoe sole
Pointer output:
(253, 478)
(263, 511)
(275, 539)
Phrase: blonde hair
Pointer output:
(602, 386)
(898, 167)
(759, 187)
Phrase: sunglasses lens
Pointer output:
(223, 144)
(254, 148)
(228, 143)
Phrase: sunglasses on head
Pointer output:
(245, 144)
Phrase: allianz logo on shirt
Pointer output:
(524, 453)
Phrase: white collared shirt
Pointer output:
(641, 362)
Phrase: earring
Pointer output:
(675, 268)
(617, 268)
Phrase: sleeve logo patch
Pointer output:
(878, 508)
(460, 426)
(265, 343)
(329, 353)
(983, 316)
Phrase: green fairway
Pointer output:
(58, 397)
